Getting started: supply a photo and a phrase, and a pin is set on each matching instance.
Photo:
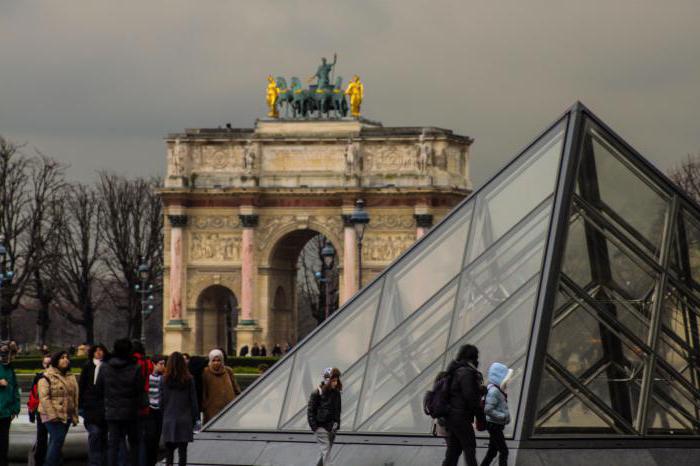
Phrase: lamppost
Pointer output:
(328, 255)
(146, 291)
(6, 277)
(359, 219)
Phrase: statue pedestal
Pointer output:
(247, 333)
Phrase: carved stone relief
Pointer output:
(200, 281)
(269, 226)
(385, 247)
(218, 158)
(177, 159)
(390, 158)
(214, 222)
(215, 247)
(391, 222)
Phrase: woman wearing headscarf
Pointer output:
(58, 404)
(219, 386)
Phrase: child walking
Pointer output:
(497, 414)
(323, 413)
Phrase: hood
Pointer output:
(119, 363)
(499, 374)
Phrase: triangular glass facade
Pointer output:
(578, 265)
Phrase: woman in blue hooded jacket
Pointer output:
(497, 414)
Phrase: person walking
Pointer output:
(154, 423)
(497, 413)
(9, 399)
(146, 365)
(92, 406)
(219, 386)
(38, 452)
(58, 405)
(323, 413)
(178, 397)
(121, 384)
(465, 405)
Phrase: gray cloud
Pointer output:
(99, 84)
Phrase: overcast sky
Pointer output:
(98, 84)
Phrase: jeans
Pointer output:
(118, 431)
(97, 444)
(325, 443)
(154, 426)
(57, 435)
(497, 444)
(461, 438)
(42, 442)
(4, 439)
(181, 453)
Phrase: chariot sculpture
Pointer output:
(324, 99)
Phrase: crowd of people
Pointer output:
(131, 404)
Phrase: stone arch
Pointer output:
(334, 237)
(216, 317)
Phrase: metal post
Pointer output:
(359, 263)
(143, 312)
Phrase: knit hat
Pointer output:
(216, 353)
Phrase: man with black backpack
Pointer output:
(465, 391)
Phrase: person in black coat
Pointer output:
(466, 388)
(323, 412)
(121, 383)
(92, 407)
(178, 398)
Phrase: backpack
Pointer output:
(436, 402)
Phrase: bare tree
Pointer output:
(687, 176)
(132, 225)
(311, 291)
(77, 271)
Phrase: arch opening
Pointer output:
(217, 317)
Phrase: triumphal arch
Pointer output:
(242, 202)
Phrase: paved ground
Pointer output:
(23, 434)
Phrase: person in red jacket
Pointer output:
(146, 365)
(42, 436)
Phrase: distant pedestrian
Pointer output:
(178, 398)
(277, 351)
(196, 366)
(263, 351)
(497, 413)
(58, 405)
(38, 452)
(219, 386)
(465, 405)
(244, 351)
(323, 413)
(9, 399)
(92, 406)
(154, 424)
(146, 365)
(287, 348)
(255, 350)
(121, 383)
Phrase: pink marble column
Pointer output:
(349, 259)
(248, 271)
(424, 222)
(178, 223)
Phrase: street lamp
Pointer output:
(359, 219)
(6, 277)
(146, 291)
(328, 255)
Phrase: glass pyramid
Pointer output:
(578, 265)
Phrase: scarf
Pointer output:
(97, 363)
(221, 370)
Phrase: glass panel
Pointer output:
(503, 337)
(686, 250)
(340, 344)
(499, 272)
(518, 190)
(679, 334)
(576, 263)
(407, 351)
(643, 212)
(675, 405)
(404, 413)
(260, 408)
(439, 257)
(574, 414)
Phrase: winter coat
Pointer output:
(324, 409)
(146, 366)
(178, 404)
(218, 390)
(121, 383)
(33, 401)
(92, 402)
(465, 391)
(196, 367)
(496, 401)
(58, 397)
(9, 395)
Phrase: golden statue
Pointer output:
(356, 92)
(273, 93)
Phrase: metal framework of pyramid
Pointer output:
(578, 265)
